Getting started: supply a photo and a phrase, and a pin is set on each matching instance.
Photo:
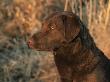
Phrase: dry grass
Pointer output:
(21, 18)
(99, 26)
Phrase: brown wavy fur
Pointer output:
(76, 55)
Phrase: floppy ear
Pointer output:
(71, 26)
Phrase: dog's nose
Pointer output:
(30, 43)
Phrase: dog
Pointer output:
(75, 53)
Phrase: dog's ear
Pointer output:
(71, 25)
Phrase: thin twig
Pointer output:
(66, 5)
(90, 13)
(95, 8)
(107, 15)
(80, 9)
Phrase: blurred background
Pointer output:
(21, 18)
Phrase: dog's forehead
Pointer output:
(59, 14)
(57, 18)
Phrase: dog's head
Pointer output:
(58, 29)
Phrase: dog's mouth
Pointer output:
(48, 50)
(38, 48)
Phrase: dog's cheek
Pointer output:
(42, 44)
(46, 43)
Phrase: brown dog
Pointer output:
(76, 55)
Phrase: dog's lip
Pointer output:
(31, 47)
(43, 49)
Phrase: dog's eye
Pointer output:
(52, 27)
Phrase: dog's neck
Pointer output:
(77, 55)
